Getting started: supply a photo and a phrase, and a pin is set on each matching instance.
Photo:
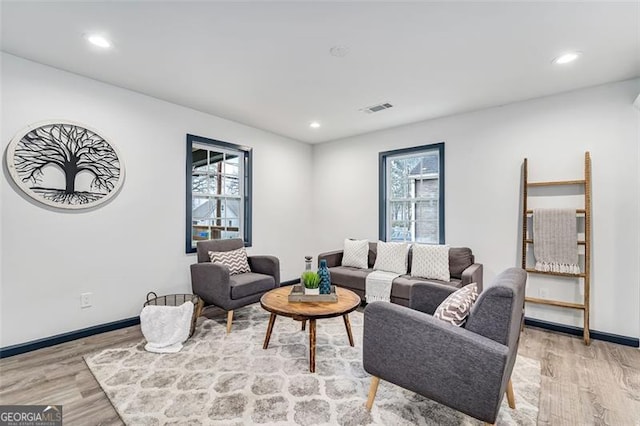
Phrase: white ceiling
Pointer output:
(268, 65)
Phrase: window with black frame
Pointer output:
(218, 191)
(412, 194)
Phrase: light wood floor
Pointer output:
(581, 385)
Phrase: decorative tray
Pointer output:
(297, 295)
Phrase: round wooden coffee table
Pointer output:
(277, 302)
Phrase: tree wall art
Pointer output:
(65, 164)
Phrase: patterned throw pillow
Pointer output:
(455, 308)
(392, 257)
(235, 260)
(356, 253)
(430, 261)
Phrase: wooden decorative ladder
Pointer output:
(585, 275)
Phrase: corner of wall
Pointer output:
(636, 103)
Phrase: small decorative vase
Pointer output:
(312, 291)
(325, 278)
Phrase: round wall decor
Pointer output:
(65, 165)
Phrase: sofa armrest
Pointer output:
(426, 297)
(473, 274)
(268, 265)
(447, 364)
(210, 281)
(333, 258)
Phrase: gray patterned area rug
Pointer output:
(230, 380)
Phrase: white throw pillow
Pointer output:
(456, 307)
(356, 253)
(430, 261)
(392, 257)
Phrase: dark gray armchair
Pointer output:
(468, 369)
(212, 282)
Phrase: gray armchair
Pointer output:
(468, 369)
(212, 282)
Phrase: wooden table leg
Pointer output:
(304, 325)
(312, 345)
(272, 320)
(347, 324)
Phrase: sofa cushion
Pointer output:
(373, 252)
(355, 278)
(401, 287)
(392, 257)
(346, 276)
(460, 258)
(243, 285)
(356, 253)
(430, 261)
(455, 308)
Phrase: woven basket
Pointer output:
(177, 300)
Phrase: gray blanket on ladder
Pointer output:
(555, 238)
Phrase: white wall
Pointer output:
(484, 151)
(1, 206)
(637, 105)
(135, 243)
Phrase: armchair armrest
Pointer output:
(333, 258)
(426, 297)
(268, 265)
(473, 274)
(210, 281)
(442, 362)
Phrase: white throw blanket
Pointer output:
(378, 286)
(555, 239)
(166, 327)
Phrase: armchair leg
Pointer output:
(229, 320)
(375, 381)
(511, 397)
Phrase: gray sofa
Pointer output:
(462, 268)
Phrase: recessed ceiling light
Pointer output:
(98, 40)
(566, 58)
(339, 51)
(314, 125)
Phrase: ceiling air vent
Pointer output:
(376, 108)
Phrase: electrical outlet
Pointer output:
(544, 293)
(85, 300)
